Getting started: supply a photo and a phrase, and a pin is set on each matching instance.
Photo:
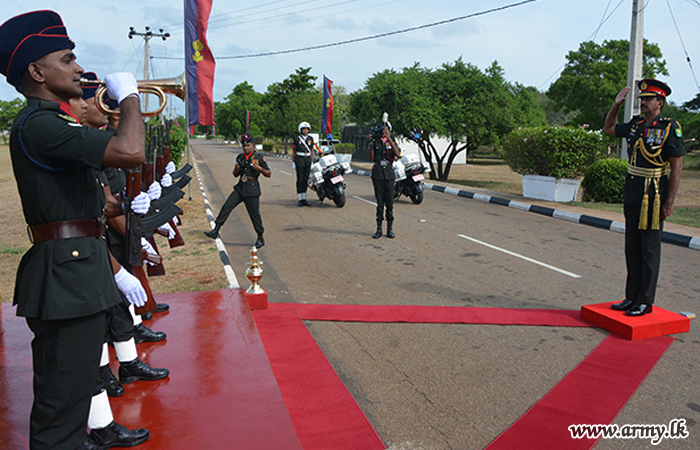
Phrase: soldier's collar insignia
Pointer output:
(68, 118)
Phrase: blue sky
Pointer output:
(529, 41)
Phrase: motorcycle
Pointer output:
(326, 177)
(408, 177)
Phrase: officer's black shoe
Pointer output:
(300, 203)
(139, 370)
(146, 316)
(212, 233)
(389, 231)
(109, 381)
(144, 334)
(88, 444)
(259, 243)
(305, 203)
(639, 310)
(161, 307)
(115, 435)
(377, 234)
(623, 305)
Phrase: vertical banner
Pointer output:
(247, 121)
(327, 114)
(199, 64)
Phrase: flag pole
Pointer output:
(187, 106)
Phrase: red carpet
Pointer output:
(660, 323)
(324, 413)
(436, 314)
(593, 393)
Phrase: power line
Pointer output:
(687, 57)
(377, 36)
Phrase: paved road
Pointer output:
(435, 387)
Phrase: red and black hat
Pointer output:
(89, 90)
(246, 138)
(28, 37)
(651, 87)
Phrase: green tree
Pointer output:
(593, 76)
(290, 101)
(8, 112)
(231, 114)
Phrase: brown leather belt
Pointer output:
(245, 178)
(67, 229)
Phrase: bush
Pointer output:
(267, 147)
(559, 152)
(344, 148)
(604, 181)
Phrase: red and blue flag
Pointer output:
(327, 114)
(199, 64)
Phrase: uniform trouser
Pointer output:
(384, 194)
(252, 204)
(120, 323)
(642, 256)
(303, 168)
(66, 360)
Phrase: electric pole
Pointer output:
(147, 37)
(634, 65)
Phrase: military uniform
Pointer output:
(646, 189)
(383, 181)
(64, 285)
(247, 191)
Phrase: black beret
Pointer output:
(89, 89)
(28, 37)
(246, 139)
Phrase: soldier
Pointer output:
(656, 152)
(65, 281)
(383, 150)
(302, 151)
(248, 166)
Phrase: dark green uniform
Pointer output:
(63, 286)
(247, 191)
(383, 179)
(649, 148)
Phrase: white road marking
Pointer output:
(363, 200)
(285, 173)
(508, 252)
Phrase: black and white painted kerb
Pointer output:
(671, 238)
(230, 275)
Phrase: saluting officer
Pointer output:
(383, 150)
(655, 147)
(302, 151)
(249, 166)
(65, 281)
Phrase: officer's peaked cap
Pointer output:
(649, 87)
(28, 37)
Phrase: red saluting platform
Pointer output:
(660, 322)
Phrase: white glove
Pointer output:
(145, 245)
(170, 167)
(141, 203)
(154, 191)
(121, 85)
(166, 180)
(294, 165)
(169, 229)
(176, 220)
(131, 287)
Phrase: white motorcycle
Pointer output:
(326, 178)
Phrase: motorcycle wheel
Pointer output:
(339, 201)
(417, 198)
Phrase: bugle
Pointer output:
(158, 87)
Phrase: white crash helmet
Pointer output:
(304, 125)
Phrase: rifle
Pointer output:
(133, 239)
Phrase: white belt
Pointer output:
(303, 154)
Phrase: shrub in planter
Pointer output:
(604, 181)
(559, 152)
(344, 148)
(267, 147)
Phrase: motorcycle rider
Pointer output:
(383, 150)
(302, 152)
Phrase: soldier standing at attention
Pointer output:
(65, 281)
(383, 150)
(302, 150)
(249, 166)
(655, 146)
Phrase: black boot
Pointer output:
(139, 370)
(115, 435)
(88, 444)
(389, 232)
(260, 242)
(213, 233)
(109, 381)
(377, 234)
(144, 334)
